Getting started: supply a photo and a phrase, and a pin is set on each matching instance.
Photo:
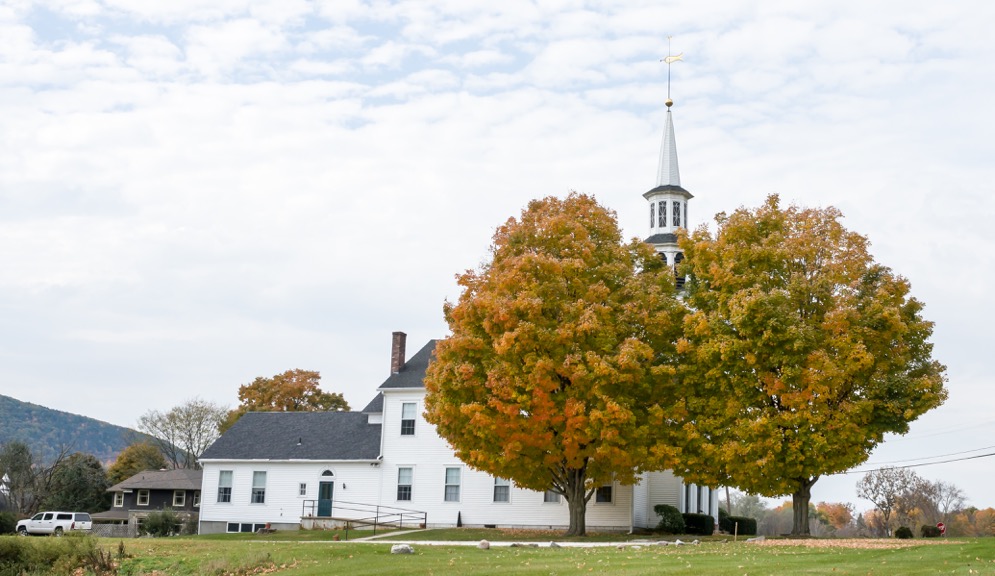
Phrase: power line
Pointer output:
(917, 465)
(930, 457)
(941, 432)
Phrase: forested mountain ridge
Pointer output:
(47, 431)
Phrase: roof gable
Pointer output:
(412, 374)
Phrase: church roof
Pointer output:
(375, 406)
(298, 436)
(662, 239)
(412, 373)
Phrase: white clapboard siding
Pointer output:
(357, 482)
(661, 488)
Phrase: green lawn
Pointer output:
(238, 554)
(182, 556)
(517, 535)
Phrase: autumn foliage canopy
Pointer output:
(799, 352)
(292, 391)
(559, 368)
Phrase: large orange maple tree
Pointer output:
(559, 369)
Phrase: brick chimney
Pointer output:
(397, 352)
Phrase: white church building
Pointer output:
(319, 469)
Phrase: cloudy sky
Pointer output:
(197, 192)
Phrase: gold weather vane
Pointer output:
(670, 59)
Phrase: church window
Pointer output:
(603, 494)
(662, 215)
(677, 214)
(502, 490)
(404, 484)
(452, 485)
(652, 214)
(408, 419)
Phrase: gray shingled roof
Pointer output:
(375, 406)
(298, 436)
(181, 479)
(662, 239)
(413, 372)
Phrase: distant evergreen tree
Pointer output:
(79, 484)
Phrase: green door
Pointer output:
(325, 498)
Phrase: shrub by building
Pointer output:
(700, 524)
(671, 521)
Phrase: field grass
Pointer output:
(523, 535)
(199, 555)
(298, 535)
(250, 554)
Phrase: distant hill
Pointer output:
(46, 431)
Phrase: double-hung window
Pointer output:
(603, 495)
(118, 499)
(224, 486)
(404, 483)
(408, 419)
(179, 498)
(550, 497)
(452, 484)
(258, 487)
(502, 490)
(143, 498)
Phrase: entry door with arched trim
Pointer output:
(326, 488)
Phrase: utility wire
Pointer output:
(917, 465)
(941, 432)
(930, 457)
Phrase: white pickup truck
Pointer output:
(55, 523)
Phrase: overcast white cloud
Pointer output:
(195, 193)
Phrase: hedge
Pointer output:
(700, 524)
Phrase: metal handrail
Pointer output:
(381, 515)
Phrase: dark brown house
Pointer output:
(150, 491)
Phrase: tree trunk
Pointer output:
(576, 502)
(799, 503)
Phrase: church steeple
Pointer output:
(668, 201)
(668, 174)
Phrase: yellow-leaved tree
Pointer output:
(559, 371)
(799, 353)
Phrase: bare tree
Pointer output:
(949, 499)
(885, 488)
(27, 481)
(184, 432)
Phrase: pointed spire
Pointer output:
(669, 173)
